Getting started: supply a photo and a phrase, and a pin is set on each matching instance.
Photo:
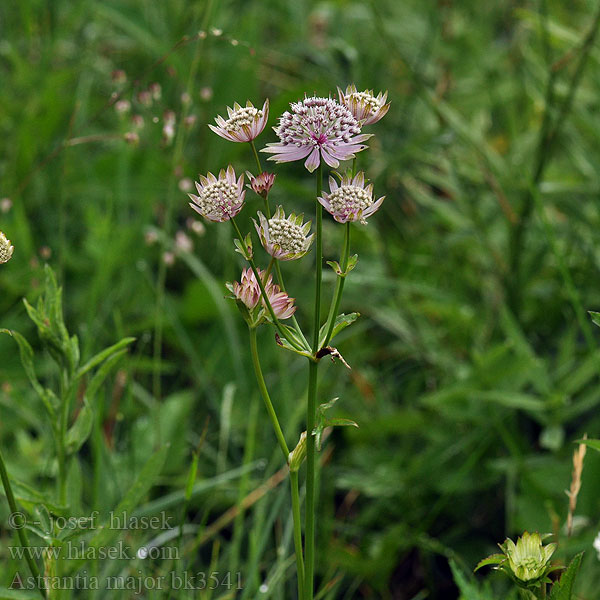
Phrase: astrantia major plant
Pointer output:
(322, 132)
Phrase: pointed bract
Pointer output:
(364, 106)
(351, 200)
(245, 123)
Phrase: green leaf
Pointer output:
(595, 317)
(10, 594)
(493, 559)
(323, 421)
(335, 265)
(469, 589)
(103, 355)
(146, 478)
(80, 430)
(341, 322)
(101, 374)
(244, 247)
(31, 497)
(563, 589)
(292, 342)
(595, 444)
(26, 354)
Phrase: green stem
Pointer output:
(312, 405)
(282, 286)
(285, 450)
(269, 268)
(260, 283)
(309, 529)
(256, 157)
(294, 487)
(277, 267)
(258, 166)
(20, 531)
(339, 286)
(65, 400)
(265, 394)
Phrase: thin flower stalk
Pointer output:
(311, 407)
(339, 285)
(265, 296)
(20, 530)
(258, 166)
(267, 182)
(294, 485)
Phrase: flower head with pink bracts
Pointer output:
(351, 200)
(245, 123)
(261, 184)
(317, 128)
(219, 199)
(284, 238)
(364, 106)
(248, 292)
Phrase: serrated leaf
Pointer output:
(79, 432)
(341, 322)
(563, 589)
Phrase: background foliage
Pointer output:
(475, 366)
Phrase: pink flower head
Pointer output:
(219, 199)
(365, 106)
(248, 292)
(351, 200)
(262, 183)
(317, 128)
(244, 124)
(284, 238)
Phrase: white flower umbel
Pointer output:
(219, 199)
(351, 200)
(364, 106)
(245, 123)
(284, 238)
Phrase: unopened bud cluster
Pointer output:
(6, 249)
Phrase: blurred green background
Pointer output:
(475, 364)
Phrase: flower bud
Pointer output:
(298, 454)
(261, 184)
